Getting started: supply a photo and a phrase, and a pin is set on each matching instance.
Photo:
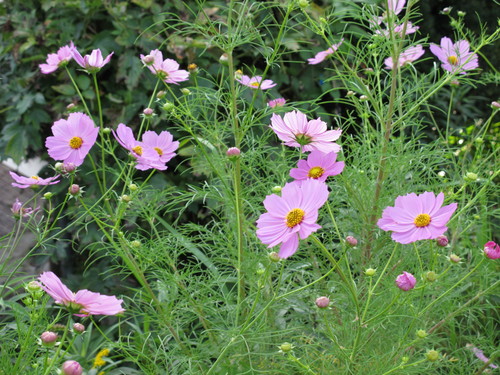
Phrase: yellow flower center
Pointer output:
(75, 143)
(453, 60)
(255, 84)
(294, 217)
(315, 172)
(35, 178)
(422, 220)
(159, 151)
(137, 150)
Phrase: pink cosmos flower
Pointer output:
(407, 56)
(406, 281)
(33, 181)
(55, 60)
(18, 210)
(73, 138)
(296, 131)
(256, 82)
(417, 217)
(163, 144)
(279, 102)
(321, 56)
(167, 70)
(480, 355)
(396, 6)
(291, 216)
(492, 250)
(81, 303)
(456, 58)
(318, 166)
(91, 63)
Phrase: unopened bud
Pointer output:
(148, 111)
(133, 187)
(58, 166)
(350, 93)
(303, 3)
(126, 198)
(441, 173)
(223, 59)
(351, 241)
(33, 287)
(446, 10)
(78, 328)
(238, 74)
(48, 338)
(68, 168)
(276, 189)
(495, 105)
(370, 272)
(74, 190)
(185, 91)
(135, 243)
(286, 347)
(363, 98)
(442, 241)
(454, 258)
(70, 106)
(274, 257)
(71, 368)
(421, 334)
(461, 13)
(455, 83)
(193, 68)
(432, 355)
(160, 94)
(470, 176)
(233, 153)
(48, 195)
(168, 106)
(431, 276)
(322, 302)
(148, 60)
(106, 130)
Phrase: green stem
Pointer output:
(79, 92)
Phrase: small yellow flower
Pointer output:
(98, 361)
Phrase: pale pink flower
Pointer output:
(398, 30)
(417, 217)
(291, 216)
(167, 70)
(407, 56)
(406, 281)
(456, 57)
(492, 250)
(81, 303)
(396, 6)
(296, 131)
(256, 82)
(91, 63)
(33, 181)
(279, 102)
(73, 138)
(321, 56)
(318, 166)
(55, 60)
(480, 355)
(163, 144)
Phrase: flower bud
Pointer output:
(135, 243)
(58, 166)
(351, 241)
(432, 355)
(148, 112)
(470, 176)
(161, 94)
(350, 93)
(33, 287)
(431, 276)
(421, 334)
(238, 74)
(133, 187)
(48, 338)
(454, 258)
(125, 198)
(492, 250)
(274, 257)
(71, 368)
(185, 91)
(370, 272)
(276, 189)
(442, 241)
(405, 359)
(441, 173)
(279, 102)
(168, 106)
(285, 347)
(406, 281)
(455, 83)
(363, 98)
(233, 152)
(78, 328)
(303, 4)
(68, 168)
(223, 59)
(70, 106)
(495, 105)
(148, 60)
(446, 10)
(74, 190)
(193, 68)
(461, 13)
(322, 302)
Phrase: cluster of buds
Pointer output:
(65, 168)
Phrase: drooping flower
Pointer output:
(55, 60)
(492, 250)
(296, 131)
(406, 281)
(321, 56)
(18, 210)
(91, 63)
(279, 102)
(291, 216)
(318, 166)
(407, 56)
(33, 181)
(456, 57)
(73, 138)
(256, 82)
(167, 70)
(81, 303)
(417, 217)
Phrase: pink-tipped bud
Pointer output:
(322, 302)
(406, 281)
(148, 111)
(442, 241)
(70, 106)
(274, 257)
(48, 338)
(454, 258)
(351, 241)
(148, 59)
(71, 368)
(74, 190)
(233, 152)
(495, 105)
(492, 250)
(16, 208)
(446, 10)
(455, 83)
(68, 168)
(78, 328)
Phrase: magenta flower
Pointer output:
(296, 131)
(256, 82)
(407, 56)
(55, 60)
(492, 250)
(91, 63)
(33, 181)
(279, 102)
(406, 281)
(167, 70)
(81, 303)
(456, 58)
(73, 138)
(291, 216)
(318, 166)
(321, 56)
(417, 217)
